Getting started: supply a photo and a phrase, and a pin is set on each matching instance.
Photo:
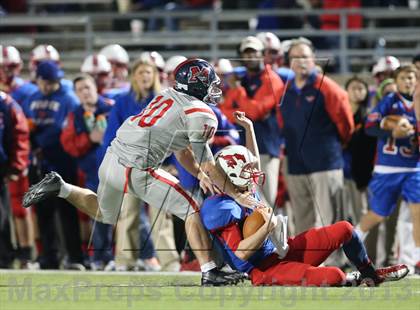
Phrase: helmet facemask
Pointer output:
(254, 176)
(214, 93)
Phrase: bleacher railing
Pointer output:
(212, 40)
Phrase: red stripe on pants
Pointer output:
(176, 186)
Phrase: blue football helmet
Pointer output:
(197, 78)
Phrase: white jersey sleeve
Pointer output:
(202, 125)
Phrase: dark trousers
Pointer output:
(69, 222)
(102, 242)
(6, 248)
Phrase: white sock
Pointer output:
(417, 254)
(65, 190)
(208, 266)
(362, 235)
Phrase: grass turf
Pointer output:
(63, 290)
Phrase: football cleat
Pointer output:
(48, 187)
(216, 277)
(355, 278)
(240, 276)
(386, 274)
(393, 273)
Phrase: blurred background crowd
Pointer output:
(61, 116)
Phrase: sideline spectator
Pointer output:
(119, 60)
(10, 68)
(257, 93)
(384, 68)
(14, 153)
(359, 154)
(98, 66)
(10, 82)
(316, 119)
(47, 110)
(45, 52)
(81, 138)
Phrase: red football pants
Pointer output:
(306, 252)
(17, 189)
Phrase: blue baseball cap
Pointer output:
(49, 70)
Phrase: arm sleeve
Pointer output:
(201, 128)
(338, 108)
(375, 117)
(75, 144)
(19, 154)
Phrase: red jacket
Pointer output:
(258, 105)
(14, 137)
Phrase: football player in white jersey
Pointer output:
(179, 121)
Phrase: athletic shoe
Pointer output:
(147, 265)
(386, 274)
(393, 273)
(29, 265)
(48, 187)
(240, 276)
(355, 278)
(216, 277)
(74, 266)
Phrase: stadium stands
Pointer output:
(210, 34)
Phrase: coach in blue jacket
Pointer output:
(47, 110)
(316, 120)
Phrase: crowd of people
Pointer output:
(325, 150)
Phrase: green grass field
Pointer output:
(75, 290)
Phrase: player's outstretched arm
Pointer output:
(247, 247)
(250, 139)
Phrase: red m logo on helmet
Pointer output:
(200, 74)
(231, 160)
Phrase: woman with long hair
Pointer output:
(359, 152)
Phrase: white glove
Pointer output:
(279, 236)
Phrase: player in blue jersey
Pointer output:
(397, 168)
(47, 110)
(268, 255)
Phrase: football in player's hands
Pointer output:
(398, 124)
(389, 122)
(252, 223)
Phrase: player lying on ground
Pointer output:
(176, 121)
(296, 260)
